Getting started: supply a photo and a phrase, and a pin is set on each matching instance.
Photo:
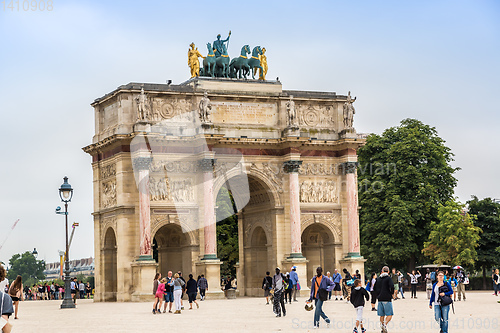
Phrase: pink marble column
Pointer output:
(352, 209)
(292, 168)
(209, 209)
(141, 166)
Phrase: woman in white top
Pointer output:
(414, 282)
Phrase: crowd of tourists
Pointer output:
(383, 288)
(170, 291)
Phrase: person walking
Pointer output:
(384, 289)
(358, 296)
(320, 286)
(6, 310)
(348, 283)
(192, 292)
(394, 277)
(461, 285)
(279, 288)
(203, 286)
(267, 285)
(74, 290)
(88, 290)
(288, 288)
(496, 282)
(414, 282)
(183, 289)
(156, 283)
(337, 280)
(401, 281)
(160, 293)
(81, 289)
(440, 298)
(428, 283)
(16, 293)
(295, 280)
(178, 285)
(454, 284)
(373, 301)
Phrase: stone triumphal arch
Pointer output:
(161, 154)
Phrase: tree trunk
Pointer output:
(411, 263)
(484, 277)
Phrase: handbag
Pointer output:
(298, 286)
(445, 300)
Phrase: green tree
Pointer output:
(27, 266)
(454, 237)
(488, 219)
(403, 176)
(227, 232)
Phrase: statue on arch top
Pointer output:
(193, 62)
(349, 112)
(217, 45)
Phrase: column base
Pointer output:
(354, 261)
(68, 304)
(143, 273)
(211, 269)
(210, 257)
(301, 263)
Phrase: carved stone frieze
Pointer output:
(320, 191)
(317, 116)
(108, 193)
(108, 171)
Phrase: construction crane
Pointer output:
(8, 234)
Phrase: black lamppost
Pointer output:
(66, 193)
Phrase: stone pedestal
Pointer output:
(211, 269)
(354, 263)
(143, 273)
(301, 264)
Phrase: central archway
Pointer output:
(172, 247)
(318, 246)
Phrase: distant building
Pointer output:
(78, 266)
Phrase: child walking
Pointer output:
(358, 295)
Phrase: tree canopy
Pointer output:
(403, 176)
(454, 237)
(27, 266)
(488, 219)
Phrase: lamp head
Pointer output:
(65, 191)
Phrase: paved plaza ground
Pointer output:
(480, 313)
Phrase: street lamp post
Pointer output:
(66, 193)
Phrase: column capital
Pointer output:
(206, 164)
(348, 167)
(292, 166)
(142, 163)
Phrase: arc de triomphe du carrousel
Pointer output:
(161, 154)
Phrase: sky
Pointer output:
(436, 61)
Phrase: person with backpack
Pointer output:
(384, 289)
(358, 296)
(6, 310)
(461, 285)
(16, 293)
(320, 287)
(279, 288)
(267, 284)
(441, 299)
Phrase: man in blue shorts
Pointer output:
(337, 279)
(384, 289)
(169, 294)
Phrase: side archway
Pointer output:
(109, 256)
